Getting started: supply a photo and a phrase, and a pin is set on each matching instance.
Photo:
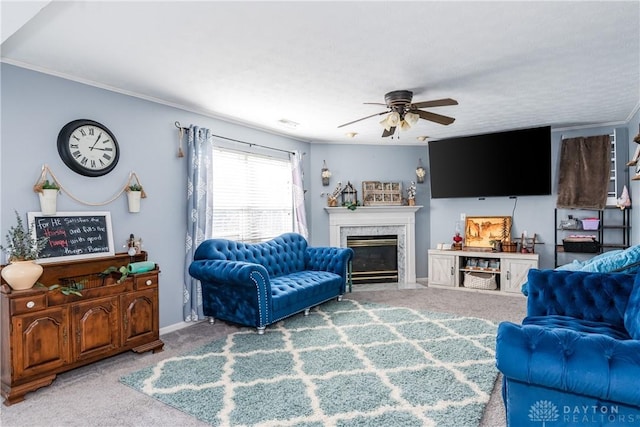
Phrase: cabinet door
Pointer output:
(139, 317)
(514, 273)
(40, 342)
(442, 270)
(94, 328)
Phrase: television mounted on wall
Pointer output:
(502, 164)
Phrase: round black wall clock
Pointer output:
(88, 147)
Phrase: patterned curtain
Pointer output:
(199, 214)
(300, 224)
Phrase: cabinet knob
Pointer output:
(31, 304)
(148, 282)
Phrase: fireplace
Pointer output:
(398, 221)
(375, 258)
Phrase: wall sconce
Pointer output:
(420, 172)
(325, 173)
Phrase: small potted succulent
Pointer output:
(48, 195)
(23, 248)
(135, 192)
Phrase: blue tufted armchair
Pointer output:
(575, 359)
(259, 284)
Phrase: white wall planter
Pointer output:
(48, 200)
(133, 198)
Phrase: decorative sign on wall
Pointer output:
(73, 235)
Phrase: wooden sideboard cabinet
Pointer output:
(44, 332)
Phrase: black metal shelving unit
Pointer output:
(610, 234)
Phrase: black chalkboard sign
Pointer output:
(73, 235)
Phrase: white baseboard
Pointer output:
(178, 326)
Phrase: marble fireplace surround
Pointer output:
(377, 221)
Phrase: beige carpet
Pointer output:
(93, 396)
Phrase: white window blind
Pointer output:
(252, 196)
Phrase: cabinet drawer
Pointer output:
(146, 281)
(28, 304)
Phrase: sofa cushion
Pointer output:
(578, 325)
(295, 290)
(618, 261)
(632, 314)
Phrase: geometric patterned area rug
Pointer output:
(347, 364)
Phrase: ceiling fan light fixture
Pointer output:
(411, 118)
(392, 120)
(404, 125)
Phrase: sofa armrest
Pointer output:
(600, 297)
(232, 272)
(327, 258)
(588, 364)
(232, 278)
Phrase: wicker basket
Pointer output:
(475, 280)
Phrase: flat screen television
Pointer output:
(510, 163)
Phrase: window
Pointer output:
(252, 196)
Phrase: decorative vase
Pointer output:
(21, 275)
(411, 202)
(134, 201)
(48, 199)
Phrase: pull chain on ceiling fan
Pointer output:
(402, 113)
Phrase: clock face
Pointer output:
(88, 147)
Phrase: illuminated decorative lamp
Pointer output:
(421, 172)
(411, 118)
(325, 173)
(392, 120)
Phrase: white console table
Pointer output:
(447, 268)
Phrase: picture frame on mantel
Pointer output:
(481, 230)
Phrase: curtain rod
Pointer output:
(250, 144)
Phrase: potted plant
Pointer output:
(48, 195)
(23, 248)
(135, 192)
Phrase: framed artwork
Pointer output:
(479, 231)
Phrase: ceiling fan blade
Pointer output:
(374, 103)
(433, 117)
(389, 132)
(435, 103)
(373, 115)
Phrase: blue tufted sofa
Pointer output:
(259, 284)
(575, 359)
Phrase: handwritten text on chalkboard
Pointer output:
(73, 235)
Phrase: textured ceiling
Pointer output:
(508, 64)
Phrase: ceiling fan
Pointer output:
(403, 113)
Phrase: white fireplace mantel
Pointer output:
(377, 220)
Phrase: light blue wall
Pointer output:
(35, 106)
(533, 214)
(357, 163)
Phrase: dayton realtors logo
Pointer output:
(545, 411)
